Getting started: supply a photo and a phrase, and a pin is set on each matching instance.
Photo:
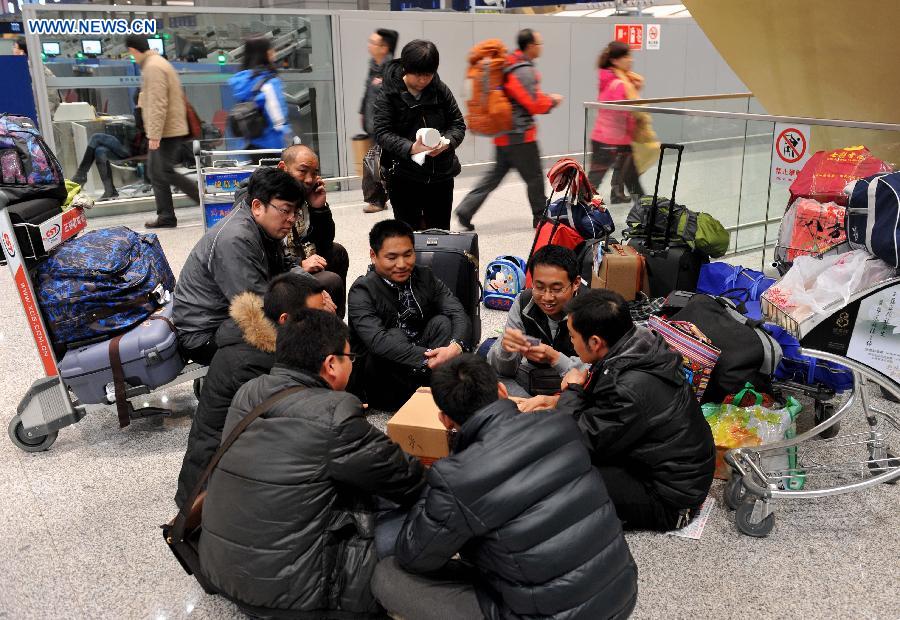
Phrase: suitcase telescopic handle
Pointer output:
(654, 206)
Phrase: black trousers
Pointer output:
(388, 384)
(161, 169)
(202, 354)
(620, 158)
(334, 277)
(422, 205)
(638, 506)
(447, 594)
(524, 159)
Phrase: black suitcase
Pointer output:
(671, 266)
(453, 257)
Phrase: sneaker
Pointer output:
(465, 222)
(157, 223)
(374, 208)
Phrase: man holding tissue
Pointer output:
(419, 165)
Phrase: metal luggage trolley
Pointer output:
(860, 336)
(49, 404)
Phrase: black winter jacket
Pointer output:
(246, 350)
(370, 92)
(373, 306)
(520, 501)
(282, 524)
(638, 411)
(399, 115)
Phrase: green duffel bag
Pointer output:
(700, 231)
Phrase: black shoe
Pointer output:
(109, 196)
(157, 223)
(617, 198)
(465, 222)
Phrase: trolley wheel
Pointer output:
(198, 386)
(743, 519)
(892, 461)
(823, 412)
(735, 492)
(20, 438)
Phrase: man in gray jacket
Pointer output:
(382, 44)
(535, 351)
(240, 253)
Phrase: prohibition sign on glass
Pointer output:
(791, 145)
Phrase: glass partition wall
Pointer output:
(97, 82)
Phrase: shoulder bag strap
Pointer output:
(179, 525)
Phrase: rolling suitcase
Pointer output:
(453, 257)
(671, 266)
(145, 355)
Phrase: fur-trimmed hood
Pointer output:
(247, 311)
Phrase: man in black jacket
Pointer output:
(520, 502)
(240, 253)
(413, 97)
(286, 525)
(381, 45)
(646, 432)
(245, 350)
(403, 320)
(310, 244)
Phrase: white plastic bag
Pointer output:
(819, 286)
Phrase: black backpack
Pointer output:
(749, 353)
(246, 119)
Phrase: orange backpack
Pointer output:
(489, 110)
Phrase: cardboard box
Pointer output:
(621, 269)
(417, 429)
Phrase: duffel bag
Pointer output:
(591, 220)
(749, 352)
(102, 283)
(807, 370)
(700, 231)
(873, 216)
(725, 279)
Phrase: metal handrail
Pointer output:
(685, 98)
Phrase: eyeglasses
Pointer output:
(352, 356)
(288, 214)
(555, 291)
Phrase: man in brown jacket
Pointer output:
(165, 123)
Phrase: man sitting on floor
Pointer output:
(520, 502)
(403, 320)
(528, 368)
(287, 530)
(240, 253)
(245, 350)
(645, 429)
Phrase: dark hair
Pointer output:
(256, 53)
(137, 42)
(555, 256)
(525, 38)
(308, 337)
(22, 45)
(420, 56)
(463, 386)
(268, 183)
(288, 292)
(615, 49)
(386, 229)
(600, 312)
(389, 37)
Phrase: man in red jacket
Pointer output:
(518, 147)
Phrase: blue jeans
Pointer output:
(105, 145)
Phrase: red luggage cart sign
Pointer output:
(790, 152)
(62, 228)
(630, 34)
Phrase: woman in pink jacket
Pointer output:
(614, 130)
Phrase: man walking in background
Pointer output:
(382, 44)
(164, 114)
(517, 148)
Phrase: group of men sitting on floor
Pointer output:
(313, 512)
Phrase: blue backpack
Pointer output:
(873, 216)
(102, 283)
(28, 168)
(591, 221)
(504, 279)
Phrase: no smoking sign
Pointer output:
(790, 151)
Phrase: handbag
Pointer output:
(195, 126)
(182, 534)
(698, 354)
(538, 380)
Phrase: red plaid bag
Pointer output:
(697, 351)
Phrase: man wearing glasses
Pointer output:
(240, 253)
(535, 351)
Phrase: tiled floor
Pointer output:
(81, 538)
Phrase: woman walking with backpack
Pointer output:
(258, 81)
(615, 130)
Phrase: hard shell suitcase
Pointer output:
(34, 213)
(145, 355)
(670, 266)
(453, 257)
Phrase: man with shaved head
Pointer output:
(311, 241)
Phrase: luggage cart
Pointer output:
(860, 336)
(219, 173)
(49, 405)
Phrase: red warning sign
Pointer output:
(630, 34)
(791, 145)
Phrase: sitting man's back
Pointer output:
(285, 525)
(520, 501)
